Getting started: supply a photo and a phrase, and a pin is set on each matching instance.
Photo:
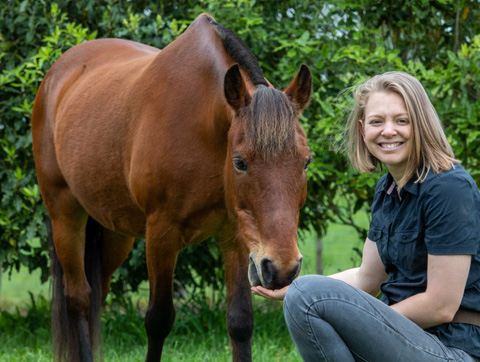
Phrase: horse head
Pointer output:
(266, 173)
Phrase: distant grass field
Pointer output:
(199, 332)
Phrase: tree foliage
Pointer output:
(343, 42)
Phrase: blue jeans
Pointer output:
(330, 320)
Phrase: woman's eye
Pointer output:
(309, 161)
(403, 121)
(240, 164)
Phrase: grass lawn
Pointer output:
(199, 332)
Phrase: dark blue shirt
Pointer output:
(440, 216)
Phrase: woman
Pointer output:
(422, 251)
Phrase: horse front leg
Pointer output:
(239, 310)
(162, 246)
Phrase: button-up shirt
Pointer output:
(440, 216)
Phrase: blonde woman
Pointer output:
(422, 250)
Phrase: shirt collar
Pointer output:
(411, 186)
(388, 185)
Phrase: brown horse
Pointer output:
(176, 146)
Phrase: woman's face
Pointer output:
(387, 131)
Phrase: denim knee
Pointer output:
(297, 288)
(309, 285)
(304, 291)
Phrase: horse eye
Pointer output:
(309, 161)
(240, 164)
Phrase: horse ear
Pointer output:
(300, 90)
(235, 88)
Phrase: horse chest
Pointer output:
(201, 226)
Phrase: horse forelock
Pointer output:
(269, 122)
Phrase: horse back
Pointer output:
(85, 60)
(126, 126)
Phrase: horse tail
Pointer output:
(63, 338)
(64, 334)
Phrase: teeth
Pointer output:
(390, 145)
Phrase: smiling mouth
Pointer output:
(389, 146)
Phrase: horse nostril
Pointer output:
(300, 261)
(269, 272)
(295, 272)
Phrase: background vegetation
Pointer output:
(343, 42)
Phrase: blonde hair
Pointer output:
(430, 148)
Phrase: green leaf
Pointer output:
(327, 108)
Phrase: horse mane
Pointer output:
(269, 118)
(269, 122)
(240, 53)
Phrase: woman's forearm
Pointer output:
(355, 278)
(423, 310)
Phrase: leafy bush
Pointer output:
(22, 215)
(343, 42)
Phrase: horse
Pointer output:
(175, 146)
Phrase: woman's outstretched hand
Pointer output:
(276, 294)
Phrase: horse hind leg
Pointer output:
(115, 249)
(76, 297)
(92, 264)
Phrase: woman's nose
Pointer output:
(389, 129)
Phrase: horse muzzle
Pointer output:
(264, 272)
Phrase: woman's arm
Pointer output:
(367, 277)
(371, 273)
(446, 279)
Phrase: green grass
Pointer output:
(341, 248)
(199, 332)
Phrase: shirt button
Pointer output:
(404, 237)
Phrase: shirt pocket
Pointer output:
(375, 234)
(408, 250)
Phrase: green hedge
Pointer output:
(343, 42)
